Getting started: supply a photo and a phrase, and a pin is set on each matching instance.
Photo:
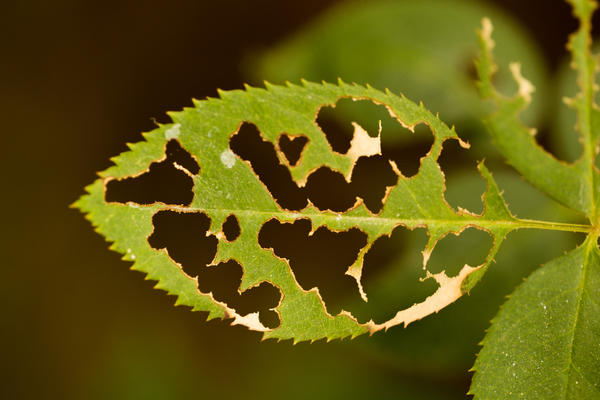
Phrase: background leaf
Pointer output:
(544, 342)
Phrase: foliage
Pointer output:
(545, 341)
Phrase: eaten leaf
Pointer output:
(238, 195)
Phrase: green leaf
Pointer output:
(544, 343)
(226, 185)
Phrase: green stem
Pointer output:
(554, 226)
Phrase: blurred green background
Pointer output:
(79, 79)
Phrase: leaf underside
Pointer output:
(226, 185)
(545, 341)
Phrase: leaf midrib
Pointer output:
(580, 290)
(516, 223)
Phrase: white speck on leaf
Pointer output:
(173, 132)
(228, 158)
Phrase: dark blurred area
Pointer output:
(78, 80)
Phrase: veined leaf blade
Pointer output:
(545, 341)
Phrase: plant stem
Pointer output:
(554, 226)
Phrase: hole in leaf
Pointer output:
(183, 235)
(328, 190)
(318, 260)
(292, 147)
(391, 276)
(223, 281)
(398, 143)
(181, 157)
(336, 122)
(370, 178)
(249, 145)
(405, 151)
(163, 182)
(231, 228)
(464, 183)
(473, 244)
(338, 135)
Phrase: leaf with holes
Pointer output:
(230, 200)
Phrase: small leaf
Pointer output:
(545, 342)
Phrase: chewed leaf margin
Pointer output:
(227, 185)
(574, 185)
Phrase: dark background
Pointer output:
(79, 79)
